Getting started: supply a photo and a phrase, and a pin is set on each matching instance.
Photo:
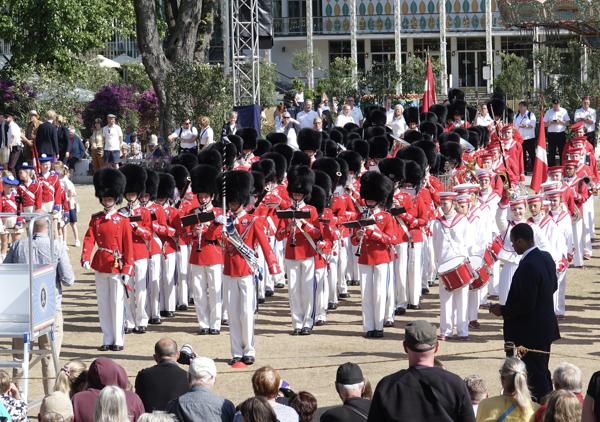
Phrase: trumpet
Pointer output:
(293, 227)
(199, 245)
(366, 215)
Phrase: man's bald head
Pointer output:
(40, 226)
(166, 349)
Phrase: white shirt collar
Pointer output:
(527, 251)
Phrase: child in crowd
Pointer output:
(8, 204)
(11, 399)
(72, 378)
(71, 198)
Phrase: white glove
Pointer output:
(125, 278)
(221, 219)
(86, 265)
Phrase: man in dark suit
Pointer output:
(528, 314)
(46, 140)
(350, 384)
(165, 381)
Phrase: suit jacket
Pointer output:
(227, 129)
(346, 414)
(160, 384)
(63, 140)
(529, 318)
(46, 140)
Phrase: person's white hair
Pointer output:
(202, 370)
(156, 416)
(514, 378)
(111, 405)
(351, 387)
(567, 376)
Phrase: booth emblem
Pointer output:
(43, 297)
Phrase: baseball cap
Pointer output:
(349, 373)
(420, 336)
(202, 364)
(57, 403)
(111, 115)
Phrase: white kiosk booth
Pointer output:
(28, 304)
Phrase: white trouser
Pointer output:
(578, 242)
(506, 275)
(352, 262)
(334, 272)
(429, 270)
(400, 274)
(390, 294)
(321, 294)
(415, 269)
(301, 282)
(183, 259)
(110, 294)
(588, 225)
(475, 297)
(269, 278)
(167, 283)
(454, 305)
(137, 298)
(207, 284)
(374, 280)
(280, 253)
(560, 293)
(262, 282)
(494, 282)
(241, 295)
(342, 267)
(155, 264)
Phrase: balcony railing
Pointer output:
(384, 24)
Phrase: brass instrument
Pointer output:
(199, 245)
(293, 226)
(366, 215)
(236, 240)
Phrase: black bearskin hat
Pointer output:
(374, 131)
(362, 147)
(411, 136)
(330, 149)
(277, 138)
(474, 138)
(343, 179)
(392, 168)
(379, 147)
(186, 159)
(374, 186)
(318, 199)
(152, 184)
(496, 108)
(448, 137)
(204, 179)
(411, 115)
(413, 153)
(258, 185)
(300, 180)
(166, 186)
(238, 185)
(285, 151)
(329, 166)
(231, 152)
(413, 173)
(136, 178)
(440, 111)
(267, 167)
(378, 118)
(280, 164)
(455, 94)
(338, 135)
(351, 127)
(212, 157)
(181, 175)
(451, 151)
(109, 182)
(462, 132)
(236, 140)
(249, 137)
(262, 147)
(430, 128)
(429, 116)
(353, 159)
(323, 180)
(429, 148)
(299, 158)
(309, 139)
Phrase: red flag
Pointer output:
(540, 165)
(429, 93)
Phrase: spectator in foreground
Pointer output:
(415, 393)
(305, 404)
(200, 403)
(567, 377)
(11, 399)
(515, 401)
(350, 385)
(257, 409)
(165, 381)
(111, 405)
(266, 382)
(104, 371)
(156, 416)
(563, 406)
(56, 407)
(591, 411)
(113, 138)
(72, 378)
(477, 390)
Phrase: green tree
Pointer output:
(382, 79)
(57, 33)
(516, 78)
(303, 61)
(413, 74)
(268, 78)
(338, 81)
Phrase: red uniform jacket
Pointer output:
(303, 249)
(328, 236)
(31, 194)
(252, 232)
(141, 233)
(187, 205)
(112, 233)
(402, 199)
(169, 243)
(211, 252)
(378, 241)
(418, 215)
(51, 189)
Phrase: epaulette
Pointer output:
(98, 214)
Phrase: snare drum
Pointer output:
(488, 258)
(496, 246)
(456, 273)
(482, 270)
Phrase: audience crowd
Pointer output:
(425, 391)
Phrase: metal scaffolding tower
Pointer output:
(245, 53)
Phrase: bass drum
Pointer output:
(482, 270)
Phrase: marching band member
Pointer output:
(300, 251)
(249, 140)
(29, 190)
(565, 242)
(159, 226)
(453, 237)
(309, 142)
(375, 248)
(546, 225)
(579, 192)
(513, 152)
(164, 197)
(50, 182)
(113, 261)
(8, 204)
(206, 258)
(136, 317)
(243, 231)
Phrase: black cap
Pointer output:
(420, 336)
(348, 374)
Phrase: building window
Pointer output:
(342, 49)
(424, 46)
